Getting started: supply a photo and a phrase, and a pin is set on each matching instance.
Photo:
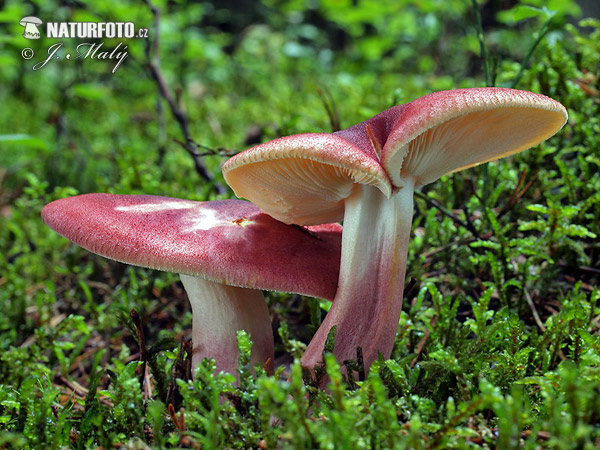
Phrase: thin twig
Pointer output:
(80, 391)
(461, 241)
(210, 151)
(181, 369)
(434, 204)
(421, 346)
(162, 127)
(517, 193)
(536, 316)
(469, 222)
(360, 363)
(176, 111)
(454, 421)
(589, 269)
(411, 284)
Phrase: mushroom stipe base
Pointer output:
(219, 312)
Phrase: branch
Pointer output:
(468, 225)
(518, 192)
(210, 151)
(176, 111)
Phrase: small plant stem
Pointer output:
(482, 47)
(541, 34)
(536, 316)
(330, 108)
(135, 318)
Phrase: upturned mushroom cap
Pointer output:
(228, 241)
(449, 131)
(304, 178)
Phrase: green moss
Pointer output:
(497, 345)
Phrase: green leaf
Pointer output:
(519, 13)
(23, 139)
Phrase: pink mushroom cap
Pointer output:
(229, 241)
(448, 131)
(305, 178)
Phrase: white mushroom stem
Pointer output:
(368, 302)
(219, 312)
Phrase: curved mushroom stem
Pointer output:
(367, 305)
(219, 312)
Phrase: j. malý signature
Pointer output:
(87, 50)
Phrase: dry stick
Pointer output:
(517, 194)
(536, 316)
(80, 391)
(178, 114)
(411, 283)
(482, 47)
(462, 241)
(454, 421)
(162, 127)
(162, 131)
(589, 269)
(421, 345)
(434, 204)
(211, 151)
(181, 369)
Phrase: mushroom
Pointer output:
(224, 252)
(31, 30)
(366, 176)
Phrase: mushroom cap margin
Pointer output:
(304, 178)
(227, 241)
(448, 131)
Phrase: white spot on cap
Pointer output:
(202, 220)
(196, 219)
(153, 207)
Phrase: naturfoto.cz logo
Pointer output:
(81, 30)
(31, 27)
(94, 30)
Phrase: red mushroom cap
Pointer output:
(228, 241)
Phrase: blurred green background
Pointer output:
(498, 343)
(244, 72)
